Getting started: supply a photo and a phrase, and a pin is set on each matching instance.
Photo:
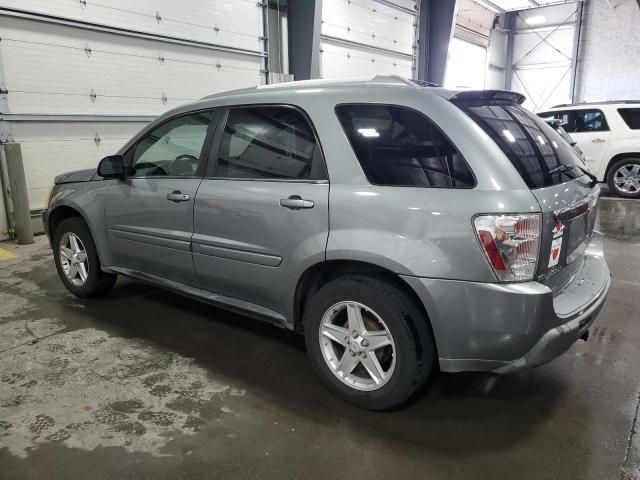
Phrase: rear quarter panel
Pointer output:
(425, 232)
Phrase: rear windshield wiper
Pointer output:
(564, 168)
(561, 168)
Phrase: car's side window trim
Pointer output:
(212, 159)
(206, 146)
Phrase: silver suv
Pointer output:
(401, 228)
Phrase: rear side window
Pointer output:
(631, 117)
(580, 121)
(401, 147)
(269, 142)
(535, 149)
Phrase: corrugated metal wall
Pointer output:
(368, 37)
(68, 76)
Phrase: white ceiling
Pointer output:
(500, 6)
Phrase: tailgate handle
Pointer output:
(295, 202)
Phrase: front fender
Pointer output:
(87, 199)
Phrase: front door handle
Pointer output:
(178, 196)
(598, 140)
(295, 202)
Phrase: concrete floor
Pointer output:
(146, 384)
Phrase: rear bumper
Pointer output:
(510, 327)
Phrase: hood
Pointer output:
(77, 176)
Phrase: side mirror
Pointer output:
(111, 167)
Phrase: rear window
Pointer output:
(401, 147)
(535, 149)
(631, 117)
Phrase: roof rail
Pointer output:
(606, 102)
(407, 81)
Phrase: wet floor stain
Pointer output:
(88, 389)
(619, 219)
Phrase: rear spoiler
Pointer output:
(488, 95)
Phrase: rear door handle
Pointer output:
(178, 196)
(295, 202)
(598, 140)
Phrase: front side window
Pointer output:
(269, 142)
(172, 149)
(401, 147)
(631, 117)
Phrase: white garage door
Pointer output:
(58, 74)
(368, 37)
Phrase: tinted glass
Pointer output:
(631, 117)
(580, 121)
(174, 148)
(269, 143)
(399, 146)
(534, 148)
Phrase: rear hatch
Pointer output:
(549, 166)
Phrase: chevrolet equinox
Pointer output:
(400, 227)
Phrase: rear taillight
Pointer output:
(511, 244)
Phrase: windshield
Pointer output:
(535, 149)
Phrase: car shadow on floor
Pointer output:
(452, 413)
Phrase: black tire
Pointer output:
(413, 341)
(612, 171)
(97, 282)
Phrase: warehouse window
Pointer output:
(269, 143)
(172, 149)
(631, 117)
(399, 146)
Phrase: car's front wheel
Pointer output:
(368, 341)
(77, 260)
(624, 178)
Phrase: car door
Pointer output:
(149, 215)
(590, 129)
(261, 214)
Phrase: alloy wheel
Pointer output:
(73, 259)
(357, 346)
(627, 178)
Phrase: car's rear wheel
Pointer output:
(77, 260)
(368, 341)
(624, 178)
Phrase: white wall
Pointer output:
(51, 69)
(609, 67)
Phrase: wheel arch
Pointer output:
(617, 157)
(319, 274)
(64, 211)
